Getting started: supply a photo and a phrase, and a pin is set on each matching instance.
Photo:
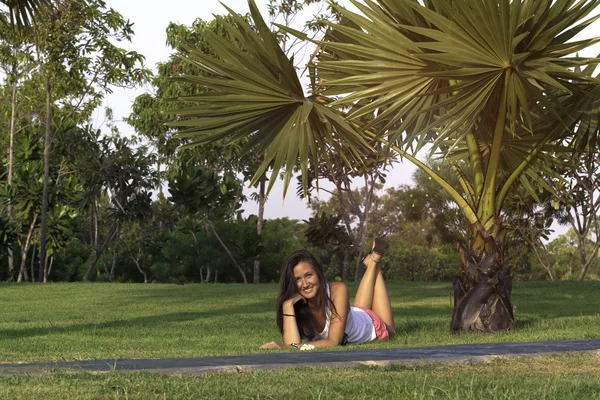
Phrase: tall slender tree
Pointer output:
(79, 61)
(15, 63)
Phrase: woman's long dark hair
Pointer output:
(287, 289)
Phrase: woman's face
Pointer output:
(307, 280)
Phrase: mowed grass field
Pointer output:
(557, 377)
(76, 321)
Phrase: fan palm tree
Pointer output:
(491, 86)
(22, 12)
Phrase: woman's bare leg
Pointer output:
(372, 292)
(382, 305)
(366, 289)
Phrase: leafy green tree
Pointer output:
(421, 213)
(574, 202)
(16, 63)
(246, 243)
(126, 172)
(143, 239)
(25, 186)
(565, 254)
(140, 241)
(150, 111)
(580, 205)
(6, 231)
(208, 198)
(489, 82)
(531, 222)
(281, 237)
(22, 198)
(325, 231)
(79, 62)
(353, 206)
(419, 262)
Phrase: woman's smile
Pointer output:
(307, 281)
(308, 289)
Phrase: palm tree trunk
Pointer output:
(259, 225)
(482, 292)
(228, 252)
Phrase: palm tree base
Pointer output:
(482, 292)
(486, 307)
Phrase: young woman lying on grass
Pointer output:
(310, 308)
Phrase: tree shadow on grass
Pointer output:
(409, 327)
(196, 294)
(417, 312)
(137, 322)
(527, 322)
(414, 291)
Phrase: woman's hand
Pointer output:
(289, 303)
(271, 345)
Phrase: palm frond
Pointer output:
(23, 12)
(254, 93)
(437, 68)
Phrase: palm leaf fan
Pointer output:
(254, 94)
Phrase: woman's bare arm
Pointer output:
(291, 334)
(290, 327)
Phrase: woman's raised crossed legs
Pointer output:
(372, 292)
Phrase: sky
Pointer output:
(151, 17)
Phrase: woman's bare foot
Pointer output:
(380, 246)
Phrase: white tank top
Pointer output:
(359, 326)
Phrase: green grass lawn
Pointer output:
(557, 377)
(76, 321)
(106, 321)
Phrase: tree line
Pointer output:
(82, 202)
